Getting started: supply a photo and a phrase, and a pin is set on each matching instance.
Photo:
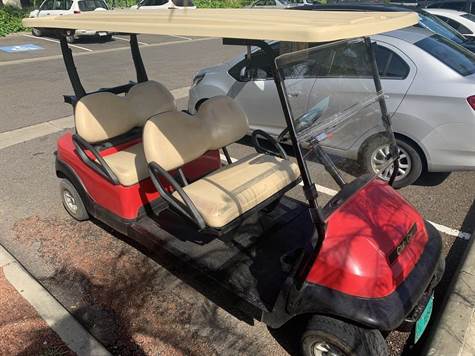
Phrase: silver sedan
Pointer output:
(429, 83)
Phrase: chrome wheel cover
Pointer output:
(380, 157)
(70, 201)
(324, 348)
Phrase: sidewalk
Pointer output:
(455, 333)
(22, 331)
(32, 322)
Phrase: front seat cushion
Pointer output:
(232, 190)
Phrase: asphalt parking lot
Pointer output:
(127, 300)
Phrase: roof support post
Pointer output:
(138, 63)
(71, 69)
(393, 149)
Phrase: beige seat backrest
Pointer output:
(102, 116)
(174, 138)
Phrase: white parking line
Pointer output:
(127, 40)
(100, 51)
(442, 228)
(73, 334)
(183, 37)
(56, 41)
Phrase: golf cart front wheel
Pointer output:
(72, 201)
(328, 336)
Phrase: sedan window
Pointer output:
(153, 2)
(453, 5)
(436, 25)
(62, 4)
(390, 65)
(47, 5)
(470, 17)
(259, 67)
(454, 56)
(458, 26)
(183, 2)
(91, 5)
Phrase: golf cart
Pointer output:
(362, 265)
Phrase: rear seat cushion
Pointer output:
(102, 116)
(232, 190)
(129, 165)
(174, 138)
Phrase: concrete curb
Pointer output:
(73, 334)
(455, 333)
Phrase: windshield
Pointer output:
(91, 5)
(334, 104)
(454, 56)
(438, 26)
(470, 17)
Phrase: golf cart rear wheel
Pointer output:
(328, 336)
(376, 152)
(72, 201)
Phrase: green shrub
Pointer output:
(10, 20)
(221, 3)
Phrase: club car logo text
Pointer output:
(403, 244)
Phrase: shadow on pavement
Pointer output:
(431, 179)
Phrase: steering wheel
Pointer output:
(308, 119)
(279, 150)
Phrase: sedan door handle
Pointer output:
(294, 95)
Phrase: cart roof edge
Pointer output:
(268, 24)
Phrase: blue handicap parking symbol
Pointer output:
(20, 48)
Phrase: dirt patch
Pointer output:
(129, 302)
(22, 331)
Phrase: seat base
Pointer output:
(233, 190)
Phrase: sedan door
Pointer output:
(255, 90)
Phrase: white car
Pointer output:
(463, 22)
(164, 4)
(429, 81)
(263, 4)
(69, 7)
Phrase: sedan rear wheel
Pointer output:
(376, 155)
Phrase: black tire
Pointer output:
(69, 192)
(105, 38)
(70, 37)
(342, 337)
(38, 32)
(199, 103)
(414, 158)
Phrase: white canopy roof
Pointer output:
(264, 24)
